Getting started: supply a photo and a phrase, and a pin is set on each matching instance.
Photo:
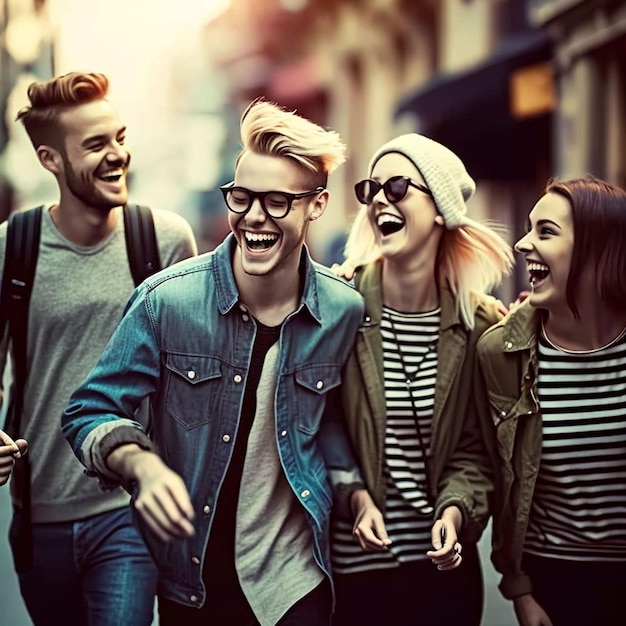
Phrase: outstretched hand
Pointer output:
(163, 500)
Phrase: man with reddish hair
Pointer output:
(89, 564)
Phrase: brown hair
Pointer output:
(599, 220)
(49, 99)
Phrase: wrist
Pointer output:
(130, 461)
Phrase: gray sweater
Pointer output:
(78, 298)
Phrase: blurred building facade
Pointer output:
(521, 89)
(26, 54)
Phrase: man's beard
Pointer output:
(86, 191)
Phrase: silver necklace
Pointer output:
(591, 351)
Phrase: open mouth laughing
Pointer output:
(112, 176)
(389, 223)
(537, 272)
(260, 242)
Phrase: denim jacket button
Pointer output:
(193, 598)
(508, 345)
(319, 384)
(195, 560)
(502, 413)
(245, 318)
(191, 374)
(207, 509)
(237, 378)
(305, 493)
(226, 438)
(283, 433)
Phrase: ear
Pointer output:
(319, 205)
(50, 159)
(439, 220)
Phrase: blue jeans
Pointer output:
(95, 571)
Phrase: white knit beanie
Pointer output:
(442, 170)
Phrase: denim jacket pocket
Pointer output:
(193, 388)
(313, 382)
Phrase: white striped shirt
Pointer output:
(409, 350)
(579, 505)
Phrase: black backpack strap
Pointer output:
(20, 262)
(18, 276)
(141, 242)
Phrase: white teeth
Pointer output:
(112, 174)
(537, 267)
(260, 237)
(387, 218)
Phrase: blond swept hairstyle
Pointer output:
(49, 99)
(267, 128)
(471, 260)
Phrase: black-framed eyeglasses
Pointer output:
(395, 189)
(275, 204)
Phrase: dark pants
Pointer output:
(233, 609)
(413, 594)
(575, 593)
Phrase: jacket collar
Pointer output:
(520, 328)
(370, 286)
(226, 288)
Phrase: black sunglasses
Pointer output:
(395, 189)
(275, 204)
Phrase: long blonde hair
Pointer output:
(471, 260)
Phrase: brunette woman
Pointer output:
(555, 369)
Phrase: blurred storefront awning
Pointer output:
(495, 116)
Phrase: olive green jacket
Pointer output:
(507, 358)
(460, 460)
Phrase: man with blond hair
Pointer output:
(240, 349)
(86, 563)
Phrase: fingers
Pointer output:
(345, 270)
(165, 506)
(371, 533)
(451, 560)
(447, 552)
(6, 464)
(22, 445)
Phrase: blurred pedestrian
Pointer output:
(89, 564)
(555, 372)
(241, 348)
(408, 393)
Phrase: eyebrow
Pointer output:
(542, 222)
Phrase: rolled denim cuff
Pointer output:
(122, 436)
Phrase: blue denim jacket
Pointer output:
(186, 341)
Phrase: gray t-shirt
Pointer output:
(78, 298)
(273, 542)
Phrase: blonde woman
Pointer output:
(409, 399)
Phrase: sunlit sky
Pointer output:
(126, 39)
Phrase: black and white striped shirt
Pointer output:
(579, 505)
(409, 351)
